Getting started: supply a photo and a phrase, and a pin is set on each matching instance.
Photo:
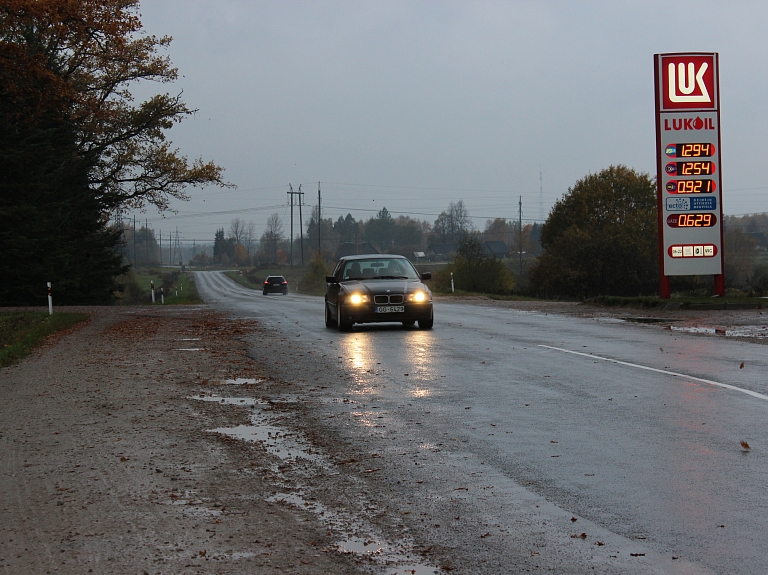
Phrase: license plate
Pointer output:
(390, 309)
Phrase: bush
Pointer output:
(132, 292)
(314, 281)
(475, 271)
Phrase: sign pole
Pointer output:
(665, 291)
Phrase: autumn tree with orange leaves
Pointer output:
(74, 144)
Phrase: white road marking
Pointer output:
(665, 372)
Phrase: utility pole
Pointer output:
(146, 239)
(161, 248)
(177, 249)
(319, 219)
(134, 240)
(520, 233)
(301, 226)
(541, 196)
(290, 193)
(299, 193)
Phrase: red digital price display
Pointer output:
(689, 150)
(691, 186)
(690, 168)
(691, 220)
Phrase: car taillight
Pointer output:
(285, 283)
(266, 283)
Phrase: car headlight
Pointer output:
(357, 299)
(417, 297)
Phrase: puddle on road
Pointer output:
(741, 331)
(286, 445)
(242, 381)
(188, 349)
(276, 440)
(242, 401)
(190, 339)
(396, 557)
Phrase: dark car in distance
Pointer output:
(275, 284)
(377, 288)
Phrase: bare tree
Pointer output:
(249, 237)
(272, 236)
(237, 230)
(454, 223)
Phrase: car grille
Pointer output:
(383, 299)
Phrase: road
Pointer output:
(517, 432)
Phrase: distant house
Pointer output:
(353, 249)
(497, 249)
(760, 238)
(441, 252)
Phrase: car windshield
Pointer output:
(379, 268)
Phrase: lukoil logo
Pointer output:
(686, 87)
(688, 124)
(688, 81)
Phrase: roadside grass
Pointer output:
(21, 331)
(179, 288)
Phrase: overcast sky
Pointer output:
(412, 105)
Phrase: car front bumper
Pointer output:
(366, 313)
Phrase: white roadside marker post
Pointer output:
(50, 300)
(152, 287)
(452, 290)
(162, 296)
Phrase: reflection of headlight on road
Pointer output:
(418, 297)
(357, 298)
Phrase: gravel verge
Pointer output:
(107, 466)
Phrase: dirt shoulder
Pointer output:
(106, 466)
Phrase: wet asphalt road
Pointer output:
(648, 462)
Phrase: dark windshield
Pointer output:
(379, 268)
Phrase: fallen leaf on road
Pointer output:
(637, 554)
(742, 365)
(574, 519)
(579, 536)
(744, 445)
(484, 536)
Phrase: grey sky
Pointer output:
(412, 105)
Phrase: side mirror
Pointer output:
(331, 280)
(426, 276)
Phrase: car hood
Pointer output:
(373, 287)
